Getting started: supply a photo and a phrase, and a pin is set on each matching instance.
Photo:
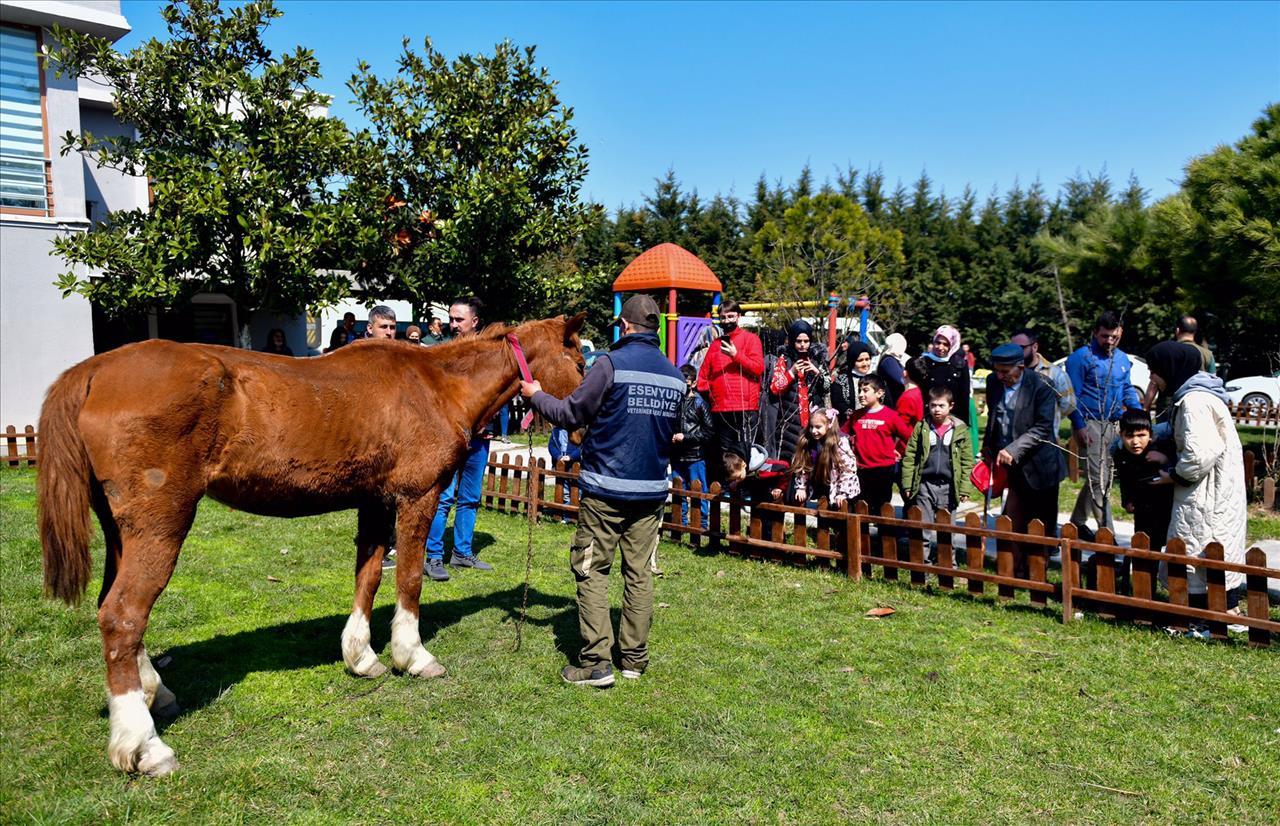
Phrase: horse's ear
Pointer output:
(572, 326)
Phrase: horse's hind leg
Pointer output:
(159, 698)
(146, 563)
(407, 653)
(373, 534)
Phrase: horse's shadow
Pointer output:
(198, 673)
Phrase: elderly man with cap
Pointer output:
(1021, 407)
(630, 398)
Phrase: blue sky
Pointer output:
(981, 93)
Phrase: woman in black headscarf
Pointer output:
(1209, 493)
(799, 382)
(844, 388)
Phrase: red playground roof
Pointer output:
(664, 267)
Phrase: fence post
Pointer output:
(1070, 573)
(1104, 570)
(11, 445)
(915, 543)
(1143, 573)
(1073, 462)
(1037, 561)
(1259, 603)
(1177, 576)
(1216, 580)
(852, 543)
(717, 518)
(535, 487)
(1004, 557)
(888, 543)
(942, 521)
(975, 555)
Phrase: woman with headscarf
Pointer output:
(1209, 493)
(798, 383)
(892, 360)
(844, 387)
(948, 368)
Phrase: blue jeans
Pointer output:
(464, 491)
(691, 472)
(504, 416)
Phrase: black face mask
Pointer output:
(728, 327)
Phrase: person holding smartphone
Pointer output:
(799, 383)
(730, 376)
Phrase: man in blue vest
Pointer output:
(630, 401)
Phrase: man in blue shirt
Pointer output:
(1099, 372)
(631, 399)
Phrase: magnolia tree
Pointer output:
(242, 160)
(471, 168)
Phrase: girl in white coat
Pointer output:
(1209, 497)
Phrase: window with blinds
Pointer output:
(22, 161)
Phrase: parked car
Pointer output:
(1251, 391)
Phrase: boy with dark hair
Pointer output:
(879, 436)
(690, 441)
(938, 461)
(1139, 454)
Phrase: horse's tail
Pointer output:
(63, 487)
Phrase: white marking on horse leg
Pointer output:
(134, 745)
(158, 697)
(407, 653)
(356, 651)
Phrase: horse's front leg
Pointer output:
(407, 653)
(373, 536)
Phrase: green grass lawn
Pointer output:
(769, 699)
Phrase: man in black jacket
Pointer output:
(688, 459)
(1020, 435)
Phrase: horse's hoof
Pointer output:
(430, 671)
(167, 712)
(158, 759)
(373, 672)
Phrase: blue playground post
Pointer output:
(617, 312)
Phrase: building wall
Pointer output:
(41, 333)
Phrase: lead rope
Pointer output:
(525, 422)
(528, 557)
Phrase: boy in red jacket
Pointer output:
(730, 376)
(879, 439)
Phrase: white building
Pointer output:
(44, 194)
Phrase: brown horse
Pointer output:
(139, 434)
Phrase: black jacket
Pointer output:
(695, 424)
(1034, 450)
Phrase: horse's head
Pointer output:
(555, 353)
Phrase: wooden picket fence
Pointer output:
(1255, 415)
(20, 448)
(1112, 580)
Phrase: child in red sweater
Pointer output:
(879, 440)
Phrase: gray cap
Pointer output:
(641, 310)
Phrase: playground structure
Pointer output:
(672, 268)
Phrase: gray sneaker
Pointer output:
(435, 569)
(389, 560)
(460, 561)
(599, 677)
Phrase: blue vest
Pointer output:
(626, 452)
